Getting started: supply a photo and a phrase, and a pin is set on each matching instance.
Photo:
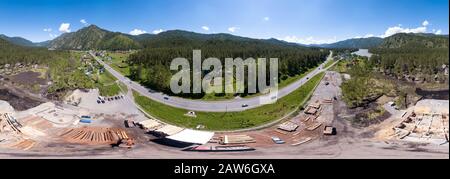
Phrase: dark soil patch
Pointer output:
(17, 102)
(433, 94)
(28, 78)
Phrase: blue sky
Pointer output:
(303, 21)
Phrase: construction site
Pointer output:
(112, 132)
(426, 122)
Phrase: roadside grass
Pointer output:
(293, 79)
(107, 85)
(340, 67)
(118, 62)
(282, 84)
(106, 78)
(222, 121)
(108, 90)
(123, 87)
(328, 64)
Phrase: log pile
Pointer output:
(236, 139)
(94, 136)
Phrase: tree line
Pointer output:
(151, 65)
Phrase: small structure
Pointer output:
(149, 124)
(313, 108)
(288, 126)
(236, 139)
(167, 130)
(191, 114)
(192, 136)
(329, 130)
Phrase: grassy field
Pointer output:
(118, 62)
(123, 87)
(328, 64)
(220, 121)
(341, 66)
(282, 84)
(107, 85)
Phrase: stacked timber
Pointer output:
(94, 136)
(236, 139)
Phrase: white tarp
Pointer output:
(169, 130)
(150, 124)
(5, 107)
(192, 136)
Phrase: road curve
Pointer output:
(209, 106)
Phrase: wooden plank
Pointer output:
(302, 141)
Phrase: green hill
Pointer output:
(359, 43)
(414, 57)
(17, 40)
(403, 40)
(93, 37)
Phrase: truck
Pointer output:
(329, 130)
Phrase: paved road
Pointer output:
(209, 106)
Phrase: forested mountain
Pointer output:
(414, 57)
(93, 37)
(17, 40)
(359, 43)
(11, 54)
(151, 65)
(403, 40)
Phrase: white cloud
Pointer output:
(233, 29)
(366, 36)
(308, 40)
(137, 32)
(425, 23)
(369, 35)
(52, 35)
(84, 22)
(47, 30)
(397, 29)
(206, 28)
(64, 27)
(266, 18)
(437, 32)
(158, 31)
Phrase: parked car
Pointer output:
(277, 140)
(98, 101)
(166, 97)
(103, 101)
(327, 83)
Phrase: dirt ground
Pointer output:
(349, 142)
(28, 78)
(19, 103)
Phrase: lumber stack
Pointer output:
(94, 136)
(236, 139)
(313, 126)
